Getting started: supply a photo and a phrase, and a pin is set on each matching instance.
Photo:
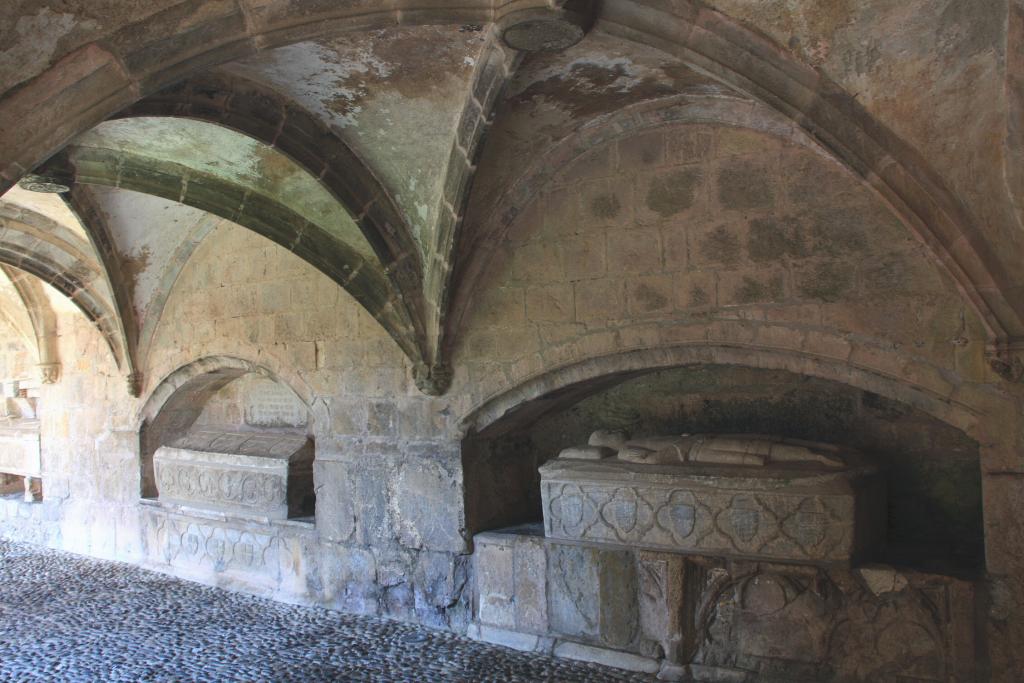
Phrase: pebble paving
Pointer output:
(70, 618)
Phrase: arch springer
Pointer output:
(434, 379)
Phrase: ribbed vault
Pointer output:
(231, 67)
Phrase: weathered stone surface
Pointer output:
(251, 473)
(786, 621)
(597, 655)
(19, 450)
(230, 636)
(733, 496)
(495, 584)
(728, 620)
(717, 193)
(661, 595)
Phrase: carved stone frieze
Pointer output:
(714, 618)
(256, 490)
(771, 621)
(714, 501)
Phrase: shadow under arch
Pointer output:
(566, 384)
(177, 402)
(937, 486)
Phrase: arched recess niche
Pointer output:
(226, 395)
(932, 468)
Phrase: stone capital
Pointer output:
(49, 373)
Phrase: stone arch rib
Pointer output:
(83, 205)
(90, 83)
(311, 242)
(75, 280)
(271, 118)
(43, 319)
(563, 385)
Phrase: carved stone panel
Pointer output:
(797, 623)
(19, 450)
(268, 475)
(806, 515)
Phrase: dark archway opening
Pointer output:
(934, 515)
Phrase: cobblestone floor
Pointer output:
(68, 618)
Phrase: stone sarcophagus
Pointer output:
(19, 449)
(267, 475)
(20, 456)
(744, 496)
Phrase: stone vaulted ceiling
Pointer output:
(391, 144)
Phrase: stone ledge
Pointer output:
(524, 642)
(605, 657)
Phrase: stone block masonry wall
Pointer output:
(15, 359)
(738, 246)
(89, 456)
(388, 536)
(692, 233)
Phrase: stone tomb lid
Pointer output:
(710, 461)
(277, 446)
(729, 477)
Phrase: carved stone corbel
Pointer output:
(49, 373)
(1007, 359)
(433, 380)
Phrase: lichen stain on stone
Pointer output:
(827, 282)
(773, 239)
(742, 186)
(133, 267)
(672, 192)
(649, 298)
(889, 274)
(588, 88)
(756, 291)
(698, 297)
(721, 245)
(605, 206)
(838, 232)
